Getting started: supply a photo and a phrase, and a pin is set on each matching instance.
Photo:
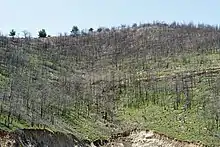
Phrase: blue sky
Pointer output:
(60, 15)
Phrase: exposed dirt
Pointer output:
(44, 138)
(149, 139)
(6, 140)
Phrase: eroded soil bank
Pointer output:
(45, 138)
(149, 139)
(40, 138)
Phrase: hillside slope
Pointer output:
(159, 77)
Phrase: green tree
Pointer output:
(74, 31)
(99, 30)
(12, 33)
(134, 25)
(91, 30)
(42, 33)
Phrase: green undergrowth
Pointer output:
(154, 106)
(171, 65)
(170, 122)
(82, 127)
(88, 127)
(15, 123)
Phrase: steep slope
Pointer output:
(160, 77)
(40, 138)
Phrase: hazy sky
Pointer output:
(60, 15)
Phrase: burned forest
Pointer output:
(157, 76)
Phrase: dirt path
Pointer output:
(147, 139)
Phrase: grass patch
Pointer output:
(175, 123)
